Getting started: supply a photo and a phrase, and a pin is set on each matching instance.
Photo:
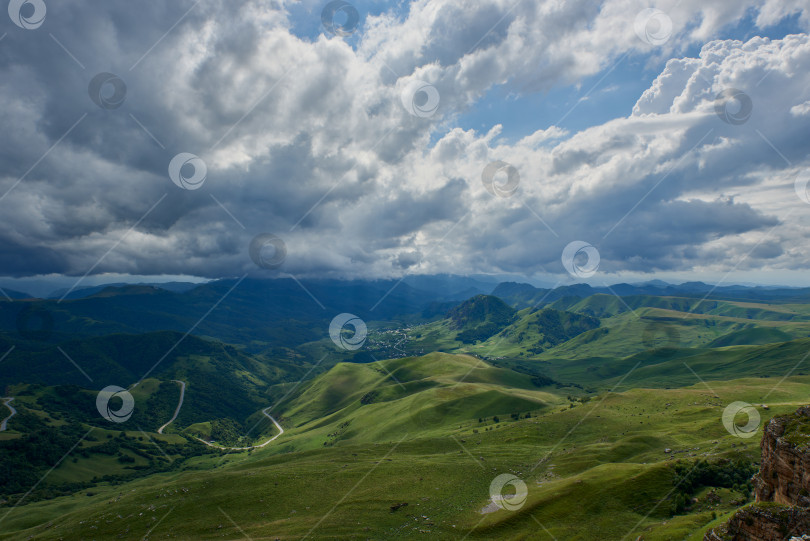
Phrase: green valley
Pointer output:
(600, 406)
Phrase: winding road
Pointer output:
(264, 411)
(179, 405)
(7, 402)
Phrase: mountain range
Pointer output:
(241, 392)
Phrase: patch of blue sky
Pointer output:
(597, 99)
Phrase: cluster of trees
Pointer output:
(74, 404)
(478, 334)
(725, 473)
(24, 461)
(159, 408)
(514, 416)
(216, 394)
(369, 397)
(157, 462)
(227, 431)
(67, 402)
(543, 381)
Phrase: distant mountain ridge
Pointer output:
(79, 293)
(286, 313)
(282, 312)
(520, 295)
(448, 287)
(12, 294)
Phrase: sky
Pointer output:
(560, 141)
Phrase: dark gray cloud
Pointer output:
(309, 140)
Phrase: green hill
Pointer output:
(223, 381)
(598, 403)
(606, 326)
(537, 330)
(611, 474)
(754, 336)
(414, 395)
(602, 305)
(256, 313)
(676, 367)
(479, 318)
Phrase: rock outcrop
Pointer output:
(782, 485)
(784, 474)
(763, 522)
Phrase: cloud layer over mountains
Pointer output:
(347, 147)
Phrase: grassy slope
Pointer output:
(379, 401)
(630, 326)
(677, 367)
(601, 470)
(608, 473)
(81, 469)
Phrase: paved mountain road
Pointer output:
(264, 411)
(7, 402)
(179, 405)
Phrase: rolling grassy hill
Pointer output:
(223, 381)
(599, 466)
(225, 391)
(602, 305)
(592, 401)
(608, 328)
(373, 402)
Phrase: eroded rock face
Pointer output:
(763, 522)
(782, 485)
(784, 474)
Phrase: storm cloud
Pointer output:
(327, 142)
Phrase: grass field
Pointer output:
(631, 325)
(592, 421)
(598, 466)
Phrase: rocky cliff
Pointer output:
(784, 474)
(763, 522)
(782, 485)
